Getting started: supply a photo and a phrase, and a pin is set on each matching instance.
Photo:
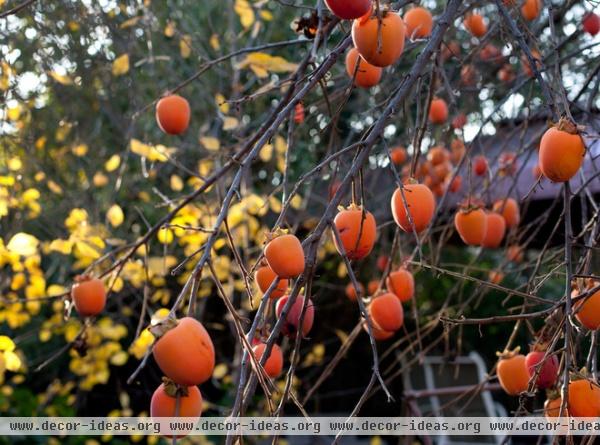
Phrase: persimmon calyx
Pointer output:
(83, 278)
(506, 354)
(567, 125)
(172, 389)
(162, 327)
(275, 233)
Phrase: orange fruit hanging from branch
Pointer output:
(88, 295)
(367, 75)
(173, 114)
(285, 256)
(379, 45)
(357, 231)
(265, 276)
(561, 151)
(183, 351)
(420, 204)
(419, 23)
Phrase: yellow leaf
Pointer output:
(229, 123)
(54, 187)
(220, 371)
(80, 150)
(6, 344)
(245, 13)
(115, 215)
(185, 46)
(221, 103)
(266, 15)
(113, 163)
(120, 65)
(165, 235)
(100, 179)
(12, 361)
(214, 42)
(55, 289)
(7, 181)
(30, 195)
(61, 78)
(23, 244)
(210, 143)
(169, 29)
(159, 153)
(119, 359)
(130, 22)
(15, 164)
(61, 246)
(73, 25)
(14, 113)
(262, 63)
(266, 153)
(176, 183)
(40, 143)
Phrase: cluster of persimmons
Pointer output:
(183, 349)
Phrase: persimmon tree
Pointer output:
(186, 191)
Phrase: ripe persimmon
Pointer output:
(527, 68)
(173, 114)
(367, 75)
(398, 155)
(509, 209)
(561, 151)
(351, 291)
(480, 165)
(88, 295)
(265, 276)
(471, 225)
(459, 121)
(453, 185)
(468, 75)
(496, 228)
(438, 155)
(591, 23)
(506, 74)
(164, 399)
(552, 408)
(507, 163)
(419, 23)
(285, 256)
(495, 276)
(386, 312)
(584, 398)
(382, 262)
(512, 373)
(420, 204)
(548, 374)
(475, 24)
(378, 334)
(274, 363)
(458, 150)
(450, 50)
(401, 283)
(372, 286)
(183, 350)
(587, 310)
(349, 9)
(380, 43)
(357, 230)
(438, 111)
(531, 9)
(292, 320)
(514, 253)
